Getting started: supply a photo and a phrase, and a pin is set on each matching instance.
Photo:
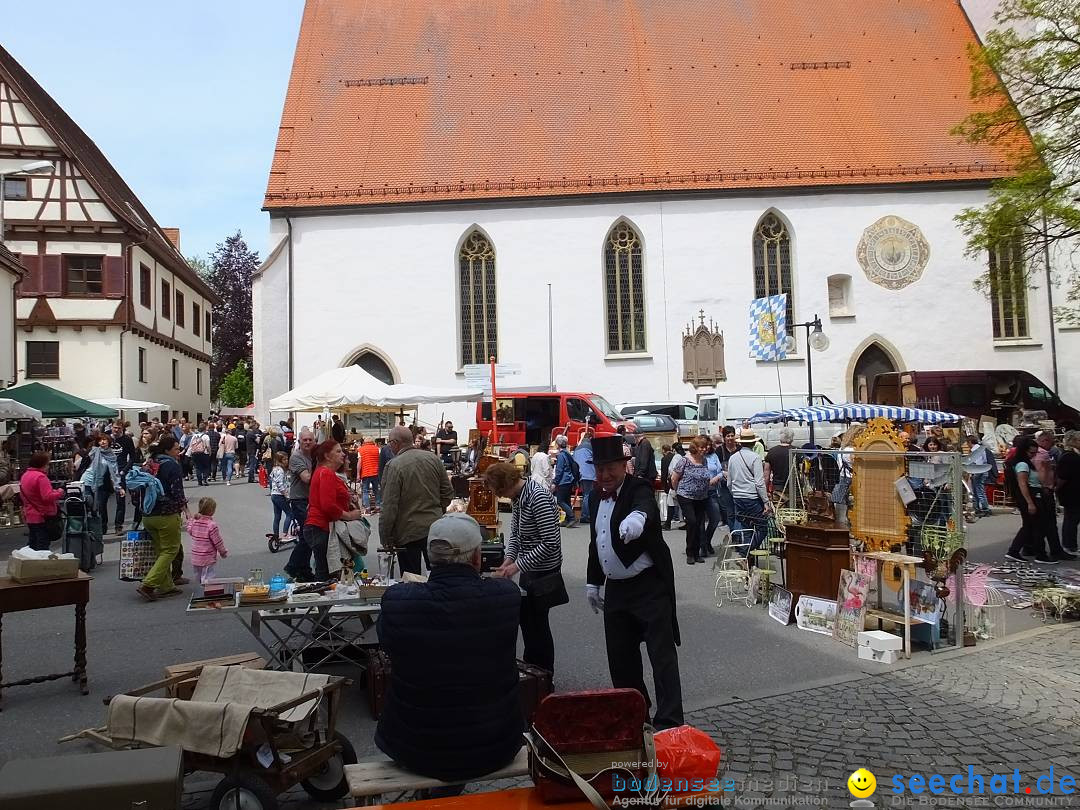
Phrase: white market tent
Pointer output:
(121, 404)
(11, 409)
(353, 389)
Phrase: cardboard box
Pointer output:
(42, 570)
(880, 656)
(184, 689)
(880, 640)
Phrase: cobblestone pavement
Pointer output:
(1005, 706)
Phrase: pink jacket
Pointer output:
(206, 542)
(38, 496)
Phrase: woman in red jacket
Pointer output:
(328, 501)
(38, 499)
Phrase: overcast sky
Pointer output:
(183, 98)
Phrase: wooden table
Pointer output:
(529, 799)
(16, 596)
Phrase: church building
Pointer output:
(659, 166)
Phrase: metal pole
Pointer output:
(551, 347)
(809, 377)
(1049, 301)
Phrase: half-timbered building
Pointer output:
(108, 306)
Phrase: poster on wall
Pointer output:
(851, 606)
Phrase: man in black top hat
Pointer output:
(628, 555)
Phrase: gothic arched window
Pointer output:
(772, 261)
(476, 294)
(624, 290)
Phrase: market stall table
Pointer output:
(309, 632)
(18, 596)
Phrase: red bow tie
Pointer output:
(606, 494)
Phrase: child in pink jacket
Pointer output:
(206, 542)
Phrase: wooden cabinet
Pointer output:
(816, 554)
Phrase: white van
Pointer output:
(716, 410)
(685, 414)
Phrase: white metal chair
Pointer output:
(732, 569)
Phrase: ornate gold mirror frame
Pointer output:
(878, 518)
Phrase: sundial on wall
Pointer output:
(893, 252)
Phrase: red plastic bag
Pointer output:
(686, 753)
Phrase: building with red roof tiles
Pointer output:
(659, 165)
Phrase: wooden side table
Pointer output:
(17, 596)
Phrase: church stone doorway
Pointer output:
(874, 360)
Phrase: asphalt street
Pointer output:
(727, 655)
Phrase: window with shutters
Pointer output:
(146, 291)
(476, 296)
(176, 375)
(42, 359)
(207, 330)
(166, 300)
(772, 261)
(196, 319)
(198, 384)
(142, 365)
(1008, 290)
(82, 275)
(624, 290)
(181, 313)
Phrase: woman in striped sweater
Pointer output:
(534, 551)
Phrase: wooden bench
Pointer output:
(370, 780)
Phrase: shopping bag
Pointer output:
(686, 753)
(136, 556)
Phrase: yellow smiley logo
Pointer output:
(862, 784)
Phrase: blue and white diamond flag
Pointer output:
(768, 327)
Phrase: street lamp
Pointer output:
(34, 167)
(819, 342)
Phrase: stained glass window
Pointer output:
(772, 261)
(624, 290)
(476, 288)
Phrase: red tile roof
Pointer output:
(397, 101)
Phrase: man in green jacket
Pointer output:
(416, 492)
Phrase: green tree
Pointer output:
(231, 269)
(201, 266)
(236, 389)
(1034, 51)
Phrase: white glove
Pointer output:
(632, 526)
(593, 597)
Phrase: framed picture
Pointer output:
(504, 411)
(851, 606)
(925, 603)
(815, 614)
(780, 604)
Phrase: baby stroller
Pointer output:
(82, 528)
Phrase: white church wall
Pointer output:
(388, 280)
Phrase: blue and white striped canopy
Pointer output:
(855, 411)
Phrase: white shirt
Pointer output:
(609, 560)
(542, 473)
